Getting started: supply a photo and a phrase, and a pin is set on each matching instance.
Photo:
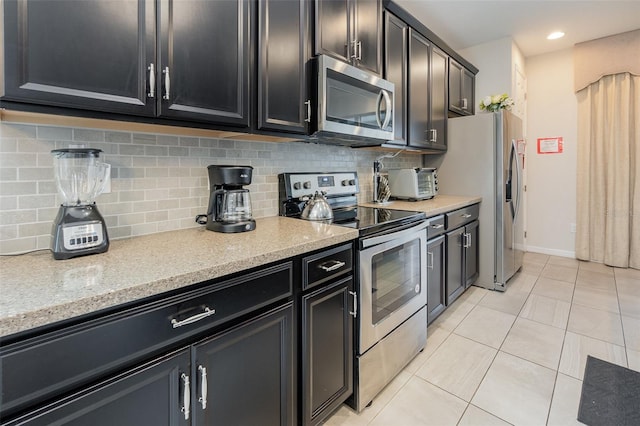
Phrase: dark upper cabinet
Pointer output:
(427, 94)
(101, 56)
(283, 65)
(438, 99)
(418, 95)
(396, 40)
(88, 55)
(203, 69)
(461, 89)
(350, 30)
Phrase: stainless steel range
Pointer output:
(392, 279)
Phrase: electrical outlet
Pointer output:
(572, 228)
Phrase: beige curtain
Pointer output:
(608, 193)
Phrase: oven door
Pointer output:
(393, 281)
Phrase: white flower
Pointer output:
(487, 100)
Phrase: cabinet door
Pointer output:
(439, 105)
(333, 33)
(472, 253)
(151, 395)
(327, 350)
(418, 96)
(455, 94)
(395, 71)
(245, 376)
(203, 71)
(283, 102)
(86, 55)
(461, 89)
(455, 264)
(468, 91)
(436, 285)
(368, 34)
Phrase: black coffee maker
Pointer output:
(229, 203)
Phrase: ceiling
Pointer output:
(466, 23)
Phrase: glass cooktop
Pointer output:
(369, 220)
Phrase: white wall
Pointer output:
(548, 108)
(551, 179)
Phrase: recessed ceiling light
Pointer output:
(555, 35)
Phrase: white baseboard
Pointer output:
(552, 252)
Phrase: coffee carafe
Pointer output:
(79, 228)
(229, 203)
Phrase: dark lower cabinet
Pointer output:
(151, 395)
(455, 264)
(436, 283)
(95, 55)
(327, 350)
(246, 375)
(472, 253)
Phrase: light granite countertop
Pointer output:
(433, 207)
(36, 290)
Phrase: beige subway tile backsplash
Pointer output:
(159, 181)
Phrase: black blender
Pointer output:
(229, 203)
(79, 228)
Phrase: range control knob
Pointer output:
(345, 182)
(297, 185)
(307, 185)
(352, 182)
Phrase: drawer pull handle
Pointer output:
(207, 312)
(437, 226)
(186, 396)
(203, 387)
(331, 265)
(465, 215)
(354, 313)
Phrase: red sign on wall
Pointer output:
(550, 145)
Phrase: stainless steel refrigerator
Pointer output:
(482, 159)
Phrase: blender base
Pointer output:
(78, 231)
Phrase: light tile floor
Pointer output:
(517, 357)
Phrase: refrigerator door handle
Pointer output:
(519, 174)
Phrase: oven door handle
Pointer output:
(399, 234)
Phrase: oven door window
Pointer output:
(395, 279)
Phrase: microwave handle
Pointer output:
(387, 100)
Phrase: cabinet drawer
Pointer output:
(436, 226)
(39, 368)
(463, 216)
(321, 267)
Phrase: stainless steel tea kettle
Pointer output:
(317, 208)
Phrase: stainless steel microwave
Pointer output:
(354, 106)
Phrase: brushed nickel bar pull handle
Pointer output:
(464, 103)
(308, 104)
(465, 215)
(203, 387)
(152, 81)
(355, 50)
(207, 312)
(167, 83)
(334, 264)
(430, 260)
(354, 313)
(359, 55)
(437, 226)
(186, 396)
